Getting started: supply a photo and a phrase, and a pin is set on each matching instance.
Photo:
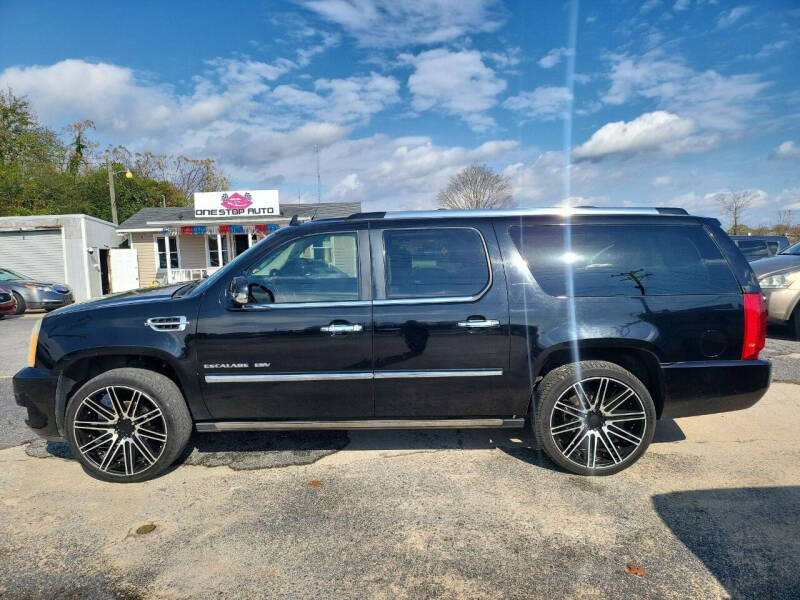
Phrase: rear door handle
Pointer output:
(479, 323)
(335, 328)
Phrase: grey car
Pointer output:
(30, 293)
(779, 277)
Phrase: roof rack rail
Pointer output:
(520, 212)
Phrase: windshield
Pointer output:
(794, 250)
(233, 267)
(8, 275)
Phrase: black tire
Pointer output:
(21, 306)
(155, 390)
(794, 323)
(603, 427)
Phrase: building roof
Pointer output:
(156, 218)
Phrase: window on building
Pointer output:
(624, 260)
(435, 263)
(174, 262)
(213, 251)
(318, 268)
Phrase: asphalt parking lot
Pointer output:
(712, 511)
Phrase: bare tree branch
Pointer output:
(733, 205)
(476, 187)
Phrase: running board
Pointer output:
(218, 426)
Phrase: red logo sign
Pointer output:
(236, 200)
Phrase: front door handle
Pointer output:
(479, 323)
(335, 328)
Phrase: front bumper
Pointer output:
(48, 299)
(35, 390)
(780, 303)
(707, 387)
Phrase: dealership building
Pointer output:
(169, 245)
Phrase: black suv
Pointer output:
(589, 324)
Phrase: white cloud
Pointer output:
(392, 24)
(554, 56)
(681, 5)
(662, 180)
(712, 100)
(646, 7)
(343, 101)
(545, 102)
(731, 17)
(789, 198)
(546, 182)
(457, 83)
(768, 50)
(651, 131)
(787, 150)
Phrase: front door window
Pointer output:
(317, 268)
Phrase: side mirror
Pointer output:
(240, 290)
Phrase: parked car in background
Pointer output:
(30, 293)
(8, 306)
(755, 247)
(779, 277)
(587, 326)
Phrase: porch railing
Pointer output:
(181, 275)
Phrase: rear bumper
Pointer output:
(35, 390)
(707, 387)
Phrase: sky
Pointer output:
(618, 103)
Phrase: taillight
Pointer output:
(755, 326)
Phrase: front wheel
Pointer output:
(593, 417)
(21, 306)
(127, 425)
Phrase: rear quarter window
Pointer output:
(623, 260)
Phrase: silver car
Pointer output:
(779, 277)
(30, 293)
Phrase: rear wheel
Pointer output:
(21, 307)
(593, 417)
(127, 425)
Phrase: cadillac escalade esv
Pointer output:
(587, 325)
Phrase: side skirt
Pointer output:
(218, 426)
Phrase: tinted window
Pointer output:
(773, 248)
(317, 268)
(753, 249)
(435, 263)
(624, 260)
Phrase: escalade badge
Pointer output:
(226, 366)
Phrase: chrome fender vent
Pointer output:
(166, 323)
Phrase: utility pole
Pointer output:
(319, 193)
(112, 192)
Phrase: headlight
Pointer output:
(34, 343)
(39, 286)
(780, 281)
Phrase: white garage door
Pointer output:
(37, 254)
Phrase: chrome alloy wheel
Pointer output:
(120, 430)
(598, 422)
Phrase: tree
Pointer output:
(733, 205)
(476, 187)
(189, 175)
(784, 223)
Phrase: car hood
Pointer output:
(775, 265)
(140, 296)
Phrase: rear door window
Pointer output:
(624, 260)
(435, 263)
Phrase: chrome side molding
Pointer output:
(218, 426)
(268, 377)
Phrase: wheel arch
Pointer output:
(640, 360)
(78, 368)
